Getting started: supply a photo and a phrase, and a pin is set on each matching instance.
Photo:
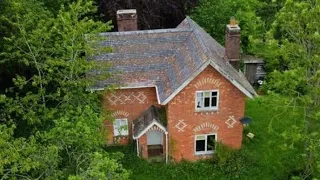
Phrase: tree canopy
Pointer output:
(51, 127)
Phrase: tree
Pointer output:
(151, 14)
(292, 51)
(213, 15)
(51, 127)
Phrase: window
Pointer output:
(120, 127)
(207, 100)
(205, 144)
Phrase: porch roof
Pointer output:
(147, 120)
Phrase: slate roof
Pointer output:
(248, 59)
(150, 116)
(165, 59)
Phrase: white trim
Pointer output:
(210, 108)
(130, 87)
(158, 98)
(195, 74)
(242, 89)
(203, 152)
(124, 87)
(235, 83)
(152, 124)
(166, 148)
(198, 71)
(120, 132)
(137, 147)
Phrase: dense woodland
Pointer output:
(50, 126)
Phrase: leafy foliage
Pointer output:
(213, 15)
(50, 124)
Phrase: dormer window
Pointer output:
(207, 100)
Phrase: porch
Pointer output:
(151, 136)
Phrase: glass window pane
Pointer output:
(210, 142)
(116, 123)
(214, 101)
(206, 102)
(200, 137)
(200, 145)
(206, 94)
(199, 100)
(123, 122)
(214, 93)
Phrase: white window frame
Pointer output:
(206, 144)
(124, 130)
(211, 108)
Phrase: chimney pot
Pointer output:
(127, 20)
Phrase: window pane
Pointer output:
(206, 102)
(116, 126)
(214, 101)
(116, 123)
(210, 142)
(206, 94)
(200, 145)
(199, 100)
(123, 122)
(214, 93)
(200, 137)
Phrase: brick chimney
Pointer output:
(127, 20)
(232, 43)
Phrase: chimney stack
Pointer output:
(127, 20)
(232, 43)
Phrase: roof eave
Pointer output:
(206, 64)
(147, 128)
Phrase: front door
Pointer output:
(155, 141)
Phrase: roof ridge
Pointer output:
(152, 31)
(198, 36)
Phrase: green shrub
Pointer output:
(230, 161)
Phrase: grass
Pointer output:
(274, 152)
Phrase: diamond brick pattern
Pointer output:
(131, 98)
(181, 125)
(231, 121)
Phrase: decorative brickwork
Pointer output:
(181, 125)
(127, 98)
(127, 103)
(206, 125)
(183, 121)
(231, 121)
(120, 113)
(204, 81)
(231, 106)
(155, 128)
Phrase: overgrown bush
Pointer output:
(230, 161)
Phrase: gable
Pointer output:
(199, 71)
(208, 79)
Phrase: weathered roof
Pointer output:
(165, 59)
(248, 59)
(145, 121)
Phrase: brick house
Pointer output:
(179, 91)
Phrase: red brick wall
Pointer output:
(143, 146)
(182, 109)
(127, 103)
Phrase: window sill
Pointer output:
(206, 110)
(120, 135)
(204, 153)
